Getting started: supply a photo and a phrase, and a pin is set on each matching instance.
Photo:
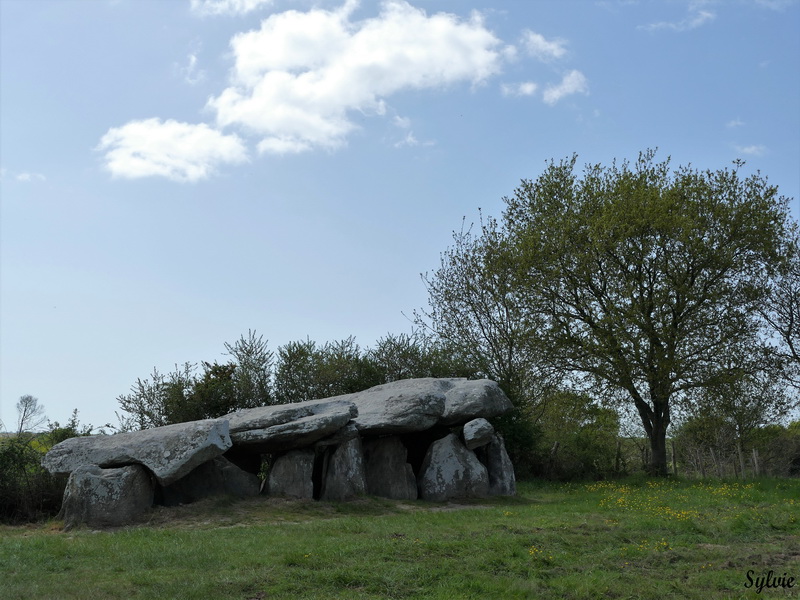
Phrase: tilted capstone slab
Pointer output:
(280, 428)
(403, 406)
(470, 399)
(169, 453)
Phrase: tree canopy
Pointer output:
(635, 279)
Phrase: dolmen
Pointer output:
(427, 439)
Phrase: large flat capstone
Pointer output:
(169, 452)
(285, 427)
(410, 405)
(471, 399)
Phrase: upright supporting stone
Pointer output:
(388, 473)
(343, 475)
(451, 471)
(291, 475)
(106, 497)
(502, 481)
(215, 477)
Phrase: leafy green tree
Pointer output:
(27, 490)
(306, 371)
(646, 277)
(144, 406)
(781, 311)
(478, 310)
(212, 395)
(296, 372)
(253, 374)
(407, 356)
(182, 395)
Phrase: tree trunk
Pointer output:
(658, 448)
(674, 460)
(655, 424)
(655, 420)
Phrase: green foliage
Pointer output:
(580, 438)
(209, 396)
(781, 311)
(182, 395)
(478, 310)
(252, 377)
(306, 371)
(28, 492)
(635, 280)
(709, 444)
(407, 356)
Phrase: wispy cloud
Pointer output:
(409, 140)
(227, 7)
(697, 16)
(178, 151)
(752, 150)
(733, 123)
(541, 48)
(573, 82)
(525, 88)
(27, 177)
(190, 73)
(297, 77)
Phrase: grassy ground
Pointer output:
(634, 538)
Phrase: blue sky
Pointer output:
(176, 172)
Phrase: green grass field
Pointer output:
(634, 538)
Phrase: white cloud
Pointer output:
(296, 79)
(29, 177)
(526, 88)
(737, 122)
(538, 47)
(178, 151)
(752, 150)
(402, 122)
(697, 17)
(573, 82)
(227, 7)
(190, 73)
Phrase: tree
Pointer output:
(253, 374)
(154, 401)
(580, 436)
(245, 382)
(306, 371)
(476, 308)
(30, 414)
(781, 311)
(478, 311)
(407, 356)
(212, 395)
(644, 277)
(27, 490)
